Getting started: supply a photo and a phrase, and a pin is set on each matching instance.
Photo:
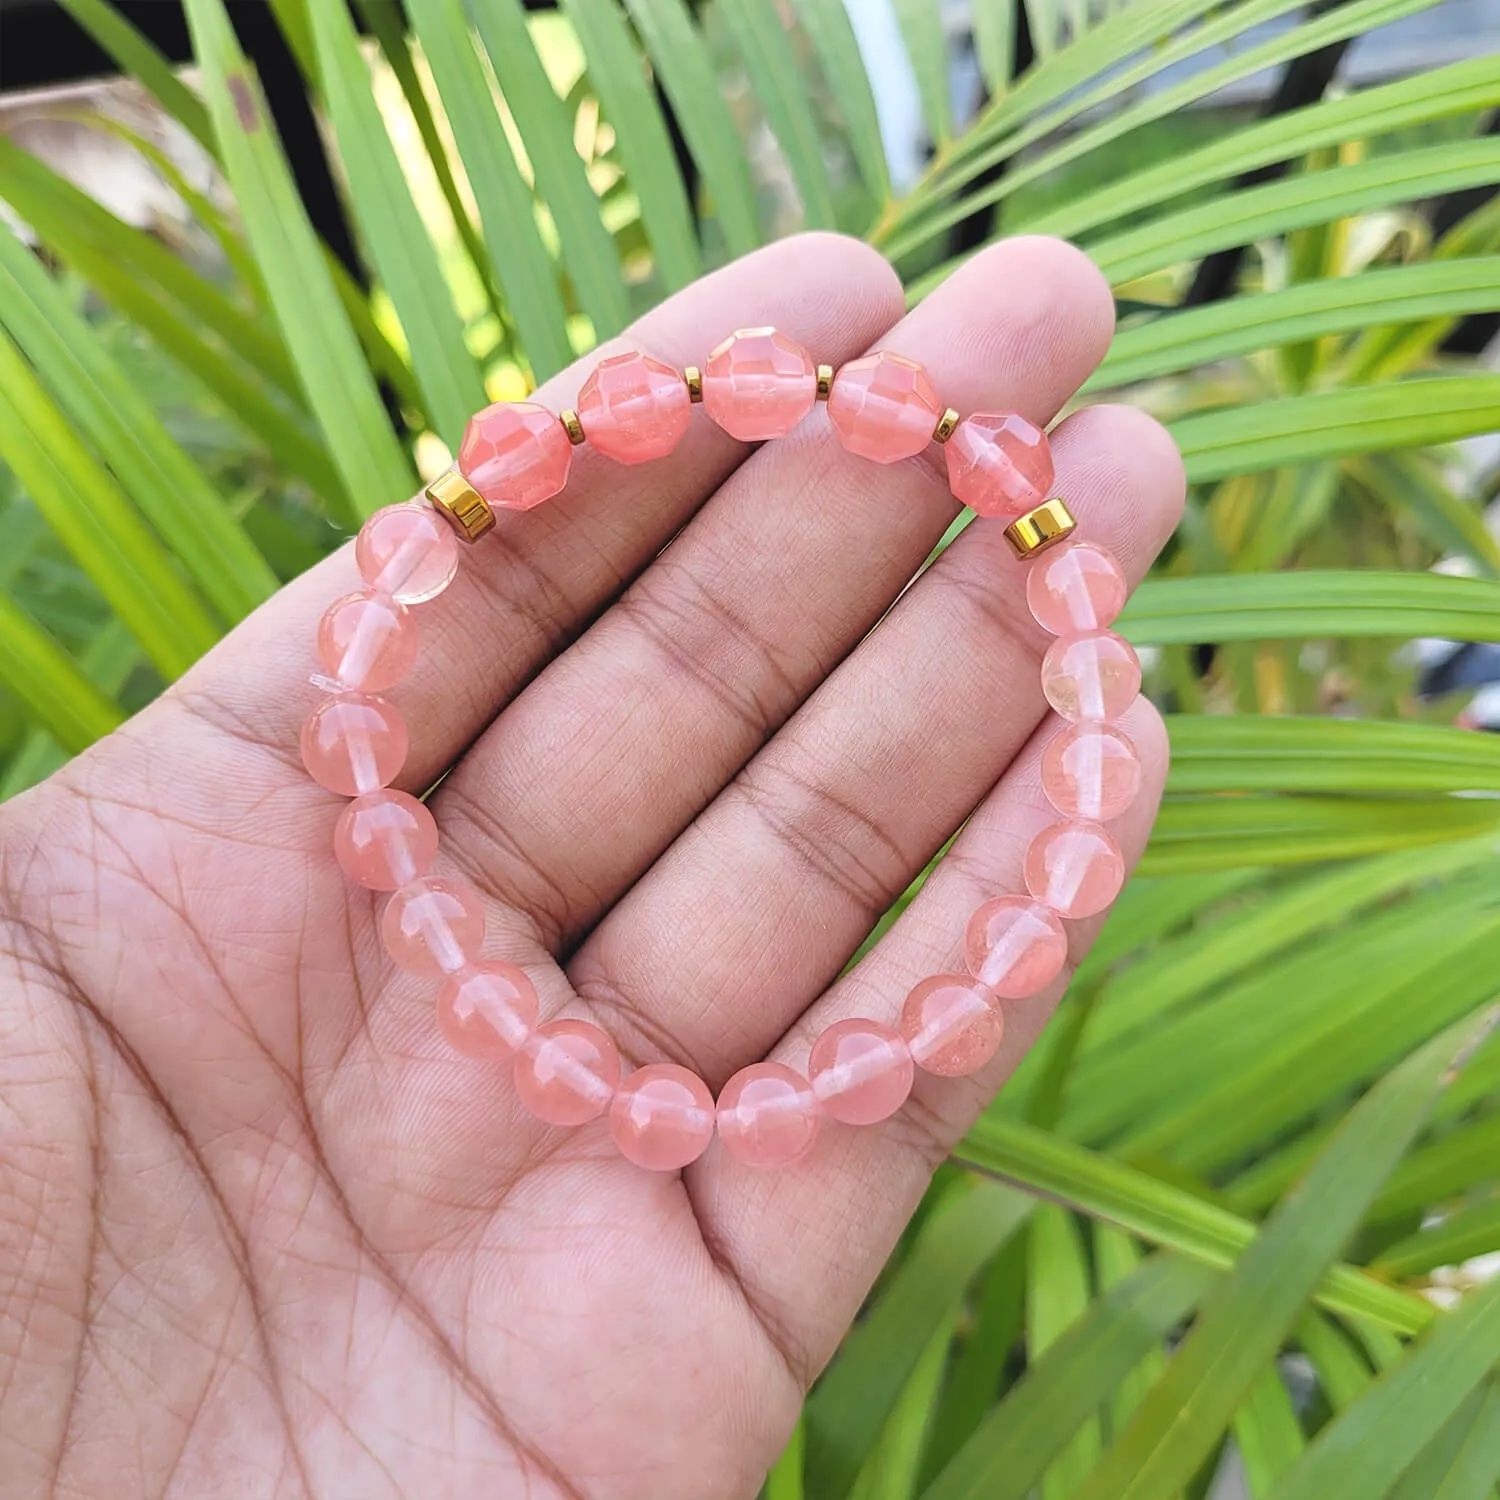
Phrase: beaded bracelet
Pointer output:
(758, 384)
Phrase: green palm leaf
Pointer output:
(333, 374)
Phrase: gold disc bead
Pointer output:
(461, 505)
(1039, 529)
(571, 424)
(694, 378)
(945, 425)
(825, 381)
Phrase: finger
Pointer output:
(759, 904)
(537, 579)
(807, 1242)
(777, 577)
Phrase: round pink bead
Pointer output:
(883, 407)
(759, 384)
(1075, 588)
(433, 927)
(516, 454)
(860, 1071)
(407, 551)
(952, 1024)
(1076, 868)
(352, 744)
(486, 1011)
(1091, 677)
(1090, 771)
(999, 464)
(634, 408)
(367, 641)
(768, 1115)
(567, 1072)
(662, 1117)
(384, 839)
(1015, 946)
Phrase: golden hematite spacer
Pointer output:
(825, 381)
(463, 505)
(944, 429)
(1039, 529)
(694, 377)
(569, 419)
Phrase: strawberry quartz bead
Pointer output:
(1076, 868)
(860, 1071)
(758, 384)
(1075, 588)
(1014, 946)
(367, 641)
(883, 407)
(516, 454)
(487, 1010)
(999, 464)
(566, 1072)
(768, 1115)
(432, 927)
(1090, 771)
(952, 1024)
(662, 1117)
(407, 551)
(634, 408)
(385, 839)
(1094, 676)
(352, 744)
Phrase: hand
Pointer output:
(261, 1233)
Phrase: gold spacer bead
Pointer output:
(1039, 529)
(944, 429)
(569, 419)
(694, 377)
(825, 381)
(464, 508)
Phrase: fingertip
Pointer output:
(1122, 470)
(1030, 317)
(1073, 280)
(853, 262)
(1147, 729)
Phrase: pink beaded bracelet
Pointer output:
(758, 384)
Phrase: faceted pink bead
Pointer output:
(367, 641)
(759, 384)
(487, 1010)
(352, 744)
(883, 407)
(432, 927)
(1091, 677)
(1076, 588)
(407, 551)
(384, 839)
(999, 464)
(1015, 946)
(566, 1072)
(768, 1115)
(1090, 771)
(516, 454)
(662, 1117)
(860, 1071)
(1076, 868)
(634, 408)
(952, 1024)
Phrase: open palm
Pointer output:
(261, 1233)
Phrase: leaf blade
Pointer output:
(403, 255)
(330, 363)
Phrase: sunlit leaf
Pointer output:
(331, 367)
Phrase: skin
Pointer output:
(261, 1233)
